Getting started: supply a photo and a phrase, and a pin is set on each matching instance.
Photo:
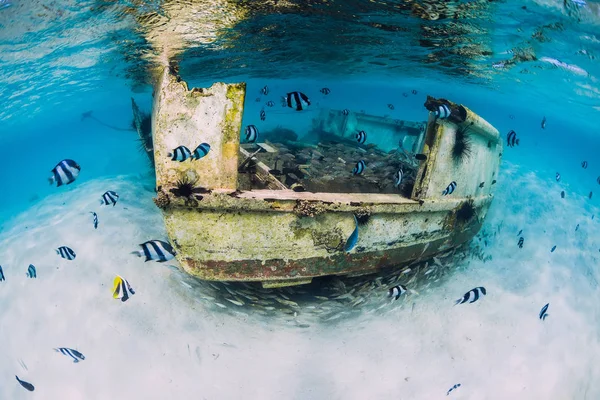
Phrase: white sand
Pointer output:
(168, 342)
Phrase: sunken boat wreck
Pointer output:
(283, 210)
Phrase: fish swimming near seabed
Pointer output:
(361, 137)
(122, 289)
(109, 197)
(473, 295)
(353, 239)
(397, 291)
(557, 177)
(251, 134)
(520, 243)
(65, 173)
(449, 189)
(359, 168)
(31, 272)
(95, 219)
(66, 252)
(296, 100)
(2, 278)
(453, 388)
(263, 115)
(77, 356)
(156, 250)
(544, 312)
(201, 151)
(26, 385)
(345, 112)
(398, 177)
(180, 154)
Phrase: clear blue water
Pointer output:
(60, 59)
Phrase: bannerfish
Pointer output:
(297, 100)
(413, 91)
(398, 177)
(452, 388)
(442, 112)
(472, 295)
(361, 137)
(156, 250)
(557, 177)
(66, 252)
(77, 356)
(263, 115)
(264, 90)
(65, 173)
(345, 112)
(562, 194)
(449, 189)
(270, 103)
(31, 273)
(520, 242)
(325, 91)
(584, 165)
(359, 168)
(391, 106)
(180, 154)
(397, 291)
(26, 385)
(95, 219)
(544, 312)
(251, 133)
(351, 242)
(2, 278)
(109, 197)
(122, 289)
(201, 151)
(511, 139)
(553, 248)
(544, 123)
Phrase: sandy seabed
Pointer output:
(170, 341)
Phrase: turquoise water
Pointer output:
(181, 338)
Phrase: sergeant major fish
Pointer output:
(65, 173)
(180, 154)
(359, 168)
(66, 252)
(353, 239)
(473, 295)
(122, 289)
(77, 356)
(156, 250)
(109, 197)
(297, 100)
(449, 189)
(201, 151)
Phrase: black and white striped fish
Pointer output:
(359, 168)
(511, 139)
(558, 177)
(65, 173)
(584, 165)
(397, 291)
(180, 154)
(270, 103)
(26, 385)
(122, 289)
(66, 252)
(77, 356)
(413, 91)
(325, 91)
(297, 100)
(263, 115)
(442, 112)
(31, 273)
(361, 137)
(251, 134)
(156, 250)
(95, 219)
(201, 151)
(449, 189)
(521, 242)
(2, 278)
(264, 90)
(391, 106)
(453, 388)
(544, 312)
(398, 177)
(473, 295)
(109, 197)
(345, 112)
